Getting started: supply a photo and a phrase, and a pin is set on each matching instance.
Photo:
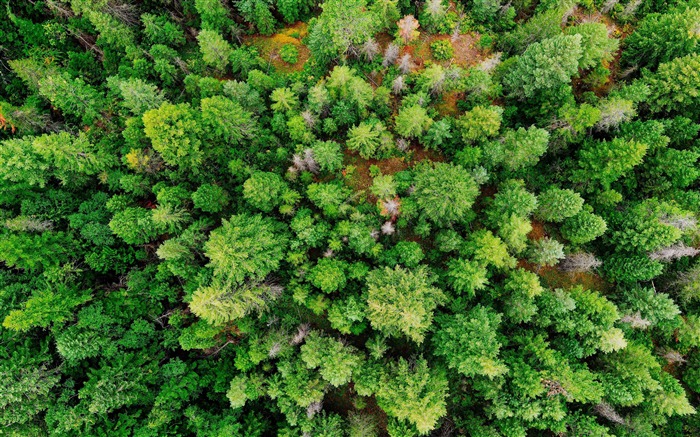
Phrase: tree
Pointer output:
(556, 204)
(72, 96)
(328, 155)
(547, 252)
(138, 96)
(466, 276)
(660, 38)
(414, 393)
(674, 86)
(328, 275)
(285, 100)
(134, 225)
(214, 15)
(259, 13)
(607, 161)
(246, 246)
(412, 122)
(595, 44)
(631, 268)
(336, 361)
(408, 28)
(328, 197)
(174, 131)
(545, 66)
(402, 301)
(341, 24)
(51, 305)
(479, 123)
(225, 121)
(469, 342)
(444, 192)
(583, 227)
(210, 198)
(487, 249)
(368, 138)
(641, 227)
(518, 148)
(383, 187)
(221, 303)
(264, 190)
(216, 51)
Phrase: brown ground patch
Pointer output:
(270, 46)
(537, 232)
(361, 178)
(448, 103)
(552, 277)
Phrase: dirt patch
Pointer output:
(361, 178)
(448, 103)
(537, 232)
(270, 46)
(553, 278)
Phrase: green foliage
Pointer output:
(72, 96)
(444, 192)
(174, 133)
(545, 66)
(583, 227)
(264, 190)
(556, 205)
(674, 87)
(341, 24)
(479, 123)
(518, 149)
(336, 361)
(289, 53)
(442, 50)
(413, 393)
(412, 121)
(369, 139)
(469, 342)
(402, 301)
(215, 226)
(210, 198)
(328, 275)
(216, 51)
(596, 44)
(660, 38)
(246, 246)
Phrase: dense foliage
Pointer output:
(349, 218)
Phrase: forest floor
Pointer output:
(270, 46)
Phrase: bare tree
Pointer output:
(388, 228)
(579, 262)
(402, 144)
(391, 207)
(490, 63)
(408, 28)
(613, 112)
(673, 357)
(310, 161)
(313, 409)
(636, 321)
(391, 54)
(606, 410)
(370, 49)
(302, 331)
(678, 250)
(405, 64)
(398, 85)
(682, 222)
(630, 9)
(608, 6)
